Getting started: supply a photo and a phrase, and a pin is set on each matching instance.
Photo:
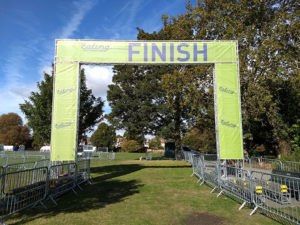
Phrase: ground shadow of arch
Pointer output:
(105, 189)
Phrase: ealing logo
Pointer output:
(95, 47)
(228, 124)
(226, 90)
(63, 125)
(64, 91)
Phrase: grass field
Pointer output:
(129, 191)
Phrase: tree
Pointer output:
(137, 100)
(267, 34)
(186, 94)
(104, 136)
(203, 141)
(155, 143)
(130, 146)
(12, 131)
(38, 110)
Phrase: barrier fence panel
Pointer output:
(277, 194)
(27, 165)
(83, 171)
(1, 180)
(22, 189)
(271, 185)
(42, 163)
(185, 155)
(20, 166)
(27, 184)
(236, 182)
(197, 165)
(12, 159)
(62, 178)
(88, 155)
(3, 160)
(104, 155)
(262, 164)
(210, 174)
(293, 167)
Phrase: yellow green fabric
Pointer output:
(228, 111)
(64, 114)
(71, 53)
(154, 52)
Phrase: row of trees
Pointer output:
(171, 100)
(38, 109)
(176, 101)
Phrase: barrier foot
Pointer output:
(192, 174)
(220, 194)
(80, 188)
(198, 180)
(42, 204)
(242, 206)
(202, 182)
(89, 181)
(52, 199)
(253, 211)
(2, 222)
(213, 189)
(74, 191)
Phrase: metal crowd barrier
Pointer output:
(105, 155)
(148, 156)
(277, 194)
(198, 165)
(23, 187)
(269, 185)
(83, 171)
(236, 182)
(99, 155)
(62, 178)
(27, 165)
(262, 164)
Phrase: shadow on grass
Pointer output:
(105, 189)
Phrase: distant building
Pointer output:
(162, 142)
(119, 142)
(147, 143)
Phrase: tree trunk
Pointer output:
(177, 133)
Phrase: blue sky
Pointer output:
(30, 27)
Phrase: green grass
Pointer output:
(134, 192)
(135, 156)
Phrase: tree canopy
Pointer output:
(268, 37)
(38, 110)
(104, 136)
(12, 130)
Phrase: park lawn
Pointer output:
(141, 192)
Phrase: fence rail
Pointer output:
(99, 155)
(270, 185)
(23, 185)
(22, 189)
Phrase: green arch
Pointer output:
(71, 54)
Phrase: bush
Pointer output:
(130, 146)
(155, 143)
(197, 140)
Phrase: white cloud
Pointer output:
(11, 96)
(81, 8)
(98, 78)
(23, 90)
